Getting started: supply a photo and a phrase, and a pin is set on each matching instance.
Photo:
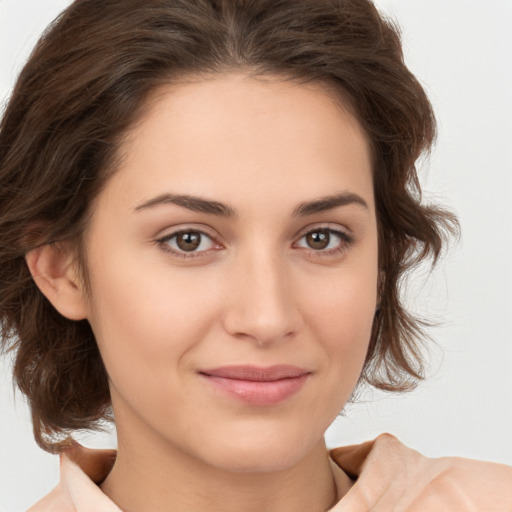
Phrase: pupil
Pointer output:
(318, 239)
(189, 241)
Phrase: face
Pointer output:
(233, 269)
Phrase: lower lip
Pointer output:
(258, 392)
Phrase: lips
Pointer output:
(257, 374)
(257, 385)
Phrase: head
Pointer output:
(84, 113)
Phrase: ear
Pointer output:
(53, 269)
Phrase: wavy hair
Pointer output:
(88, 80)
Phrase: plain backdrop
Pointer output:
(461, 52)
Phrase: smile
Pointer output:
(256, 385)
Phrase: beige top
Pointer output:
(389, 477)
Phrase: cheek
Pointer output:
(340, 317)
(341, 313)
(146, 319)
(345, 300)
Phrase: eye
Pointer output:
(187, 243)
(325, 241)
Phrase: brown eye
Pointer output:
(318, 239)
(325, 241)
(188, 241)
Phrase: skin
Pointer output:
(254, 292)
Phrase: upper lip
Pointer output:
(256, 373)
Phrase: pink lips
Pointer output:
(258, 385)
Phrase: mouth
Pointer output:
(254, 385)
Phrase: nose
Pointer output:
(262, 305)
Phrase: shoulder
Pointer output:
(56, 501)
(81, 470)
(390, 474)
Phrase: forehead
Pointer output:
(242, 137)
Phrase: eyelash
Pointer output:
(346, 241)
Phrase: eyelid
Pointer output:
(170, 232)
(346, 238)
(336, 228)
(163, 239)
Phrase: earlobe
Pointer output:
(53, 269)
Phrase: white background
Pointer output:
(461, 51)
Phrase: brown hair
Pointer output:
(86, 83)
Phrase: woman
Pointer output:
(206, 210)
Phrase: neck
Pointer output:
(156, 477)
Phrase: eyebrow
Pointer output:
(328, 203)
(201, 205)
